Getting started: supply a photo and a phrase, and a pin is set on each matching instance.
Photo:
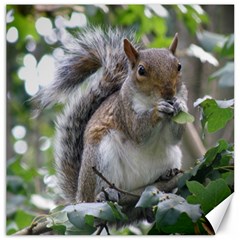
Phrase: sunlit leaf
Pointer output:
(204, 56)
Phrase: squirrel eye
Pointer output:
(141, 70)
(179, 67)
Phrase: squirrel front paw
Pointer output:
(108, 194)
(165, 107)
(178, 106)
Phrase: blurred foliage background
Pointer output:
(34, 36)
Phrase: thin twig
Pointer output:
(100, 228)
(112, 185)
(107, 230)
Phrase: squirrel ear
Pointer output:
(174, 44)
(130, 51)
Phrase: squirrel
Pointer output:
(119, 102)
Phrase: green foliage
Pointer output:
(155, 24)
(215, 114)
(20, 208)
(211, 180)
(173, 214)
(104, 211)
(192, 16)
(83, 218)
(210, 196)
(25, 24)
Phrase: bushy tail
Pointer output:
(91, 50)
(93, 68)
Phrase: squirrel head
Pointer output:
(155, 71)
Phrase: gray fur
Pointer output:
(84, 79)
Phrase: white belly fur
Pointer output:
(132, 166)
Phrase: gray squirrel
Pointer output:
(119, 100)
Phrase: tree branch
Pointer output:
(127, 199)
(35, 229)
(164, 186)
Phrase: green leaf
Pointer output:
(58, 221)
(15, 184)
(149, 197)
(23, 218)
(59, 229)
(209, 40)
(229, 178)
(77, 219)
(155, 231)
(214, 117)
(171, 206)
(216, 161)
(184, 225)
(57, 209)
(228, 48)
(211, 154)
(17, 167)
(116, 210)
(82, 215)
(57, 218)
(14, 203)
(225, 75)
(12, 228)
(172, 210)
(82, 222)
(202, 55)
(183, 117)
(210, 196)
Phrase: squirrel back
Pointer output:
(94, 67)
